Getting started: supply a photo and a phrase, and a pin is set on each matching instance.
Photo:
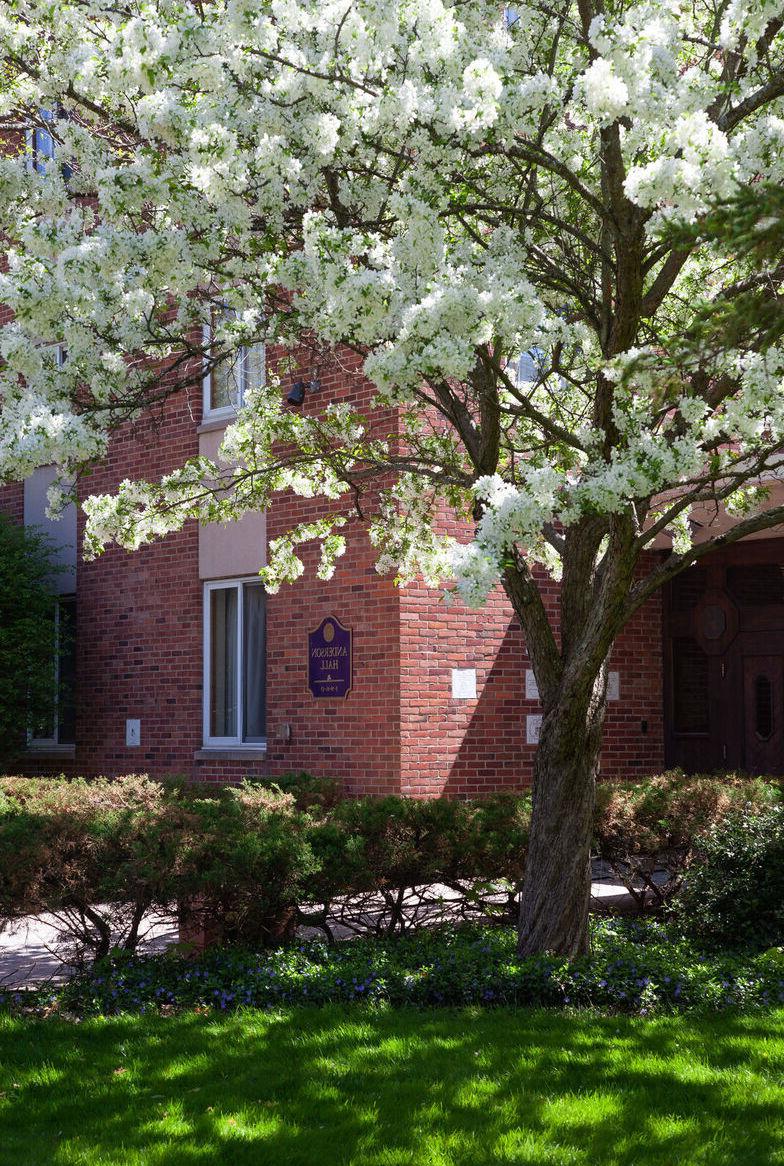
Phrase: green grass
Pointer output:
(333, 1086)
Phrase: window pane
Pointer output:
(254, 367)
(223, 662)
(687, 589)
(44, 726)
(226, 383)
(254, 659)
(763, 705)
(691, 706)
(226, 378)
(66, 734)
(43, 143)
(756, 586)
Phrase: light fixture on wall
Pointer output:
(296, 394)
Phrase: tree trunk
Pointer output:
(557, 884)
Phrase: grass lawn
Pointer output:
(333, 1086)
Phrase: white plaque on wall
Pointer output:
(613, 686)
(464, 683)
(533, 727)
(531, 687)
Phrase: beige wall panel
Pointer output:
(713, 520)
(61, 532)
(227, 549)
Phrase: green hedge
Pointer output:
(650, 833)
(249, 863)
(734, 894)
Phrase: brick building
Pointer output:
(182, 665)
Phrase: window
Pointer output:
(756, 585)
(528, 368)
(524, 369)
(763, 708)
(225, 385)
(234, 663)
(59, 727)
(40, 142)
(687, 589)
(691, 705)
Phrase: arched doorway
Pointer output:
(724, 661)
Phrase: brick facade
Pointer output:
(140, 655)
(470, 747)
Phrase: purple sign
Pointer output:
(330, 664)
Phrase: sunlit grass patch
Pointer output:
(331, 1087)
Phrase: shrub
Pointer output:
(101, 853)
(734, 892)
(375, 851)
(247, 864)
(309, 792)
(648, 832)
(92, 852)
(243, 863)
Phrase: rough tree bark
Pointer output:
(598, 566)
(557, 886)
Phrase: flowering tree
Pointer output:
(749, 224)
(441, 187)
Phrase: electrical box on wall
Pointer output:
(133, 732)
(533, 727)
(464, 683)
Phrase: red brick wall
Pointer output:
(139, 633)
(457, 746)
(357, 738)
(12, 494)
(470, 747)
(634, 730)
(12, 501)
(139, 641)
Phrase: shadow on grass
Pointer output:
(332, 1087)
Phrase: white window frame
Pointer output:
(227, 411)
(54, 742)
(60, 351)
(532, 358)
(237, 742)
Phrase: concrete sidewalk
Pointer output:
(28, 949)
(29, 956)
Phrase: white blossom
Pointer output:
(361, 174)
(606, 94)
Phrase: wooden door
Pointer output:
(701, 626)
(763, 714)
(724, 662)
